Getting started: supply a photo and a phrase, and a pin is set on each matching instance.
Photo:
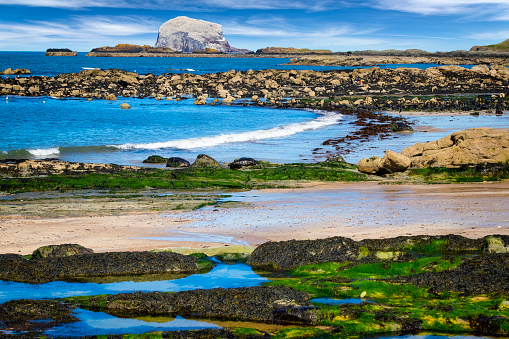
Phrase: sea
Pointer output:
(99, 131)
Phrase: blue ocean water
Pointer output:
(39, 64)
(99, 131)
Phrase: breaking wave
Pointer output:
(324, 120)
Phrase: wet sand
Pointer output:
(319, 210)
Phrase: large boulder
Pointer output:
(177, 162)
(395, 162)
(204, 160)
(474, 146)
(186, 35)
(371, 165)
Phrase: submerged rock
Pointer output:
(34, 315)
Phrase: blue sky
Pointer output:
(338, 25)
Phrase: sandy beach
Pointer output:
(318, 210)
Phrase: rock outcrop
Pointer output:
(471, 147)
(187, 35)
(474, 146)
(28, 168)
(60, 52)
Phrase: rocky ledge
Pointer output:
(15, 267)
(286, 255)
(27, 168)
(260, 304)
(471, 147)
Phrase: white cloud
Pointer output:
(76, 30)
(207, 5)
(493, 36)
(489, 9)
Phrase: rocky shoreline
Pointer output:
(364, 88)
(406, 284)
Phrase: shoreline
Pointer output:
(318, 210)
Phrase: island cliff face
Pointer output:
(187, 35)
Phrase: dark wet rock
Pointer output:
(34, 315)
(243, 162)
(297, 315)
(58, 251)
(204, 160)
(400, 126)
(155, 159)
(285, 255)
(336, 158)
(294, 253)
(484, 274)
(16, 268)
(425, 244)
(260, 304)
(489, 325)
(177, 162)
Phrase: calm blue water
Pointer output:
(225, 276)
(39, 64)
(99, 131)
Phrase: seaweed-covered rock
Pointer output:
(177, 162)
(261, 303)
(496, 244)
(425, 244)
(243, 162)
(295, 253)
(479, 275)
(34, 315)
(486, 325)
(16, 268)
(204, 160)
(57, 251)
(155, 159)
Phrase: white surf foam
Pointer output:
(324, 120)
(44, 152)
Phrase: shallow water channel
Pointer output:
(95, 323)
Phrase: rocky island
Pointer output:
(60, 52)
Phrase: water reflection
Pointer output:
(225, 276)
(99, 323)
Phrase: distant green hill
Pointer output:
(501, 47)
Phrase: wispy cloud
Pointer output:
(490, 9)
(500, 35)
(77, 28)
(318, 5)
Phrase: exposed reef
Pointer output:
(368, 88)
(260, 304)
(39, 270)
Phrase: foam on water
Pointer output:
(277, 132)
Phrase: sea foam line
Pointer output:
(324, 120)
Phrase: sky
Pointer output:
(336, 25)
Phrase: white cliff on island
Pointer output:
(186, 35)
